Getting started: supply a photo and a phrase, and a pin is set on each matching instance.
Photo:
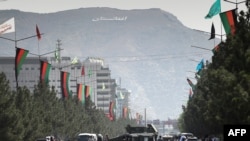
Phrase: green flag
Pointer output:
(214, 10)
(74, 61)
(57, 56)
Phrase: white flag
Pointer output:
(8, 26)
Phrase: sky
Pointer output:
(190, 12)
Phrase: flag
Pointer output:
(229, 20)
(57, 56)
(191, 84)
(214, 10)
(8, 26)
(200, 66)
(80, 93)
(111, 112)
(90, 72)
(83, 72)
(216, 48)
(38, 33)
(21, 54)
(74, 61)
(190, 93)
(87, 91)
(44, 71)
(212, 36)
(121, 95)
(125, 112)
(65, 84)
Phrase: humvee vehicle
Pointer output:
(138, 133)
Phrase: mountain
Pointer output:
(150, 50)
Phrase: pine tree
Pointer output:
(222, 93)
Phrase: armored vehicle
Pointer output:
(138, 133)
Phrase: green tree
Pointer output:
(222, 92)
(8, 115)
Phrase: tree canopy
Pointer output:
(222, 94)
(27, 116)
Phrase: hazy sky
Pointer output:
(190, 12)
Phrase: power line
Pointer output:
(151, 57)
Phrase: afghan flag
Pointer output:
(21, 54)
(83, 72)
(38, 34)
(191, 84)
(216, 48)
(190, 93)
(44, 72)
(65, 84)
(125, 112)
(229, 20)
(80, 93)
(87, 91)
(111, 110)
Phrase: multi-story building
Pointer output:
(92, 72)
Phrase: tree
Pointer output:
(223, 90)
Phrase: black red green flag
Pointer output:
(125, 112)
(80, 93)
(216, 48)
(44, 72)
(87, 91)
(65, 84)
(38, 34)
(21, 55)
(111, 110)
(229, 21)
(83, 72)
(191, 84)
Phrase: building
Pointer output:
(92, 72)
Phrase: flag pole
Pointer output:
(38, 50)
(15, 61)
